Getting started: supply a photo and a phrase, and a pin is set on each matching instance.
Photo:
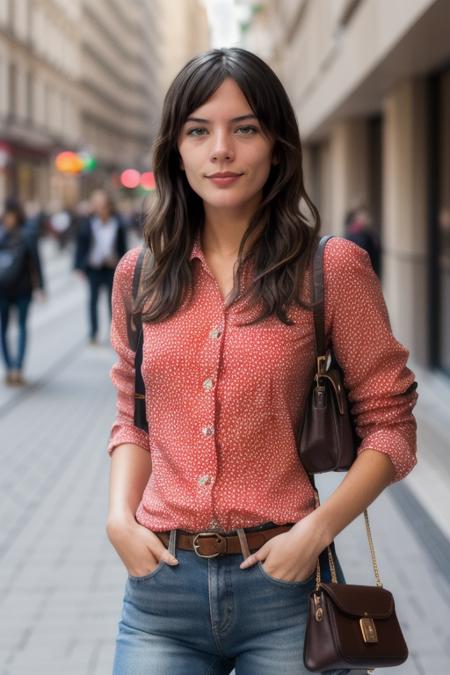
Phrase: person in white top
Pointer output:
(101, 242)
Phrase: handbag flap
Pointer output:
(360, 601)
(334, 379)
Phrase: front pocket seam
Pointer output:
(283, 582)
(150, 575)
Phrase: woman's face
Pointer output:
(223, 136)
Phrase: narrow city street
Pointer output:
(61, 583)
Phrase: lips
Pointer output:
(224, 178)
(224, 174)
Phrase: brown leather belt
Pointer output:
(211, 544)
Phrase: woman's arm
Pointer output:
(293, 554)
(130, 470)
(139, 549)
(371, 472)
(128, 447)
(37, 277)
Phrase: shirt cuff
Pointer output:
(123, 433)
(400, 451)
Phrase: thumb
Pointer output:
(166, 556)
(157, 548)
(259, 556)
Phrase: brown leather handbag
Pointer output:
(349, 626)
(352, 626)
(327, 439)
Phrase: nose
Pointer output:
(222, 148)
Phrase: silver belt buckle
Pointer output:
(196, 544)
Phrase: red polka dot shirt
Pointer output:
(224, 402)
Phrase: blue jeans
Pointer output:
(208, 616)
(22, 305)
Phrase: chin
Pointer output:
(227, 201)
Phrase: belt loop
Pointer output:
(172, 542)
(243, 542)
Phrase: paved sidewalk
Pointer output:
(61, 583)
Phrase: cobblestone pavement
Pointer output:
(61, 583)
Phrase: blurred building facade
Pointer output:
(184, 32)
(39, 104)
(119, 83)
(86, 76)
(370, 83)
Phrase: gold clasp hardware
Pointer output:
(368, 630)
(196, 545)
(318, 609)
(322, 364)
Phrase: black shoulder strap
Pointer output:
(137, 337)
(318, 295)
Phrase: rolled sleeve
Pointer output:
(381, 388)
(122, 373)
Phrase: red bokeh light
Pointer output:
(130, 178)
(148, 180)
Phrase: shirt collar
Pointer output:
(197, 249)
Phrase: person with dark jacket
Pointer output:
(359, 230)
(20, 276)
(101, 242)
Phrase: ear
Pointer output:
(181, 164)
(275, 160)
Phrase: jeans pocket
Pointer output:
(284, 583)
(150, 575)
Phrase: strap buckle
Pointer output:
(219, 540)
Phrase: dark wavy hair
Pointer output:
(282, 238)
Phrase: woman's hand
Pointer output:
(291, 556)
(139, 549)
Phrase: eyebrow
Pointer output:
(200, 120)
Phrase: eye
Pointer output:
(197, 131)
(247, 131)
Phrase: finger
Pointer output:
(158, 549)
(252, 560)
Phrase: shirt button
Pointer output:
(208, 431)
(208, 384)
(204, 480)
(215, 333)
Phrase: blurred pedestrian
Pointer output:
(20, 277)
(360, 230)
(211, 511)
(101, 242)
(61, 225)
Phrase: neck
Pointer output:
(224, 229)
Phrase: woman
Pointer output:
(20, 275)
(210, 510)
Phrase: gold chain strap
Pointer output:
(372, 550)
(331, 559)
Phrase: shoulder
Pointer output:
(343, 256)
(124, 272)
